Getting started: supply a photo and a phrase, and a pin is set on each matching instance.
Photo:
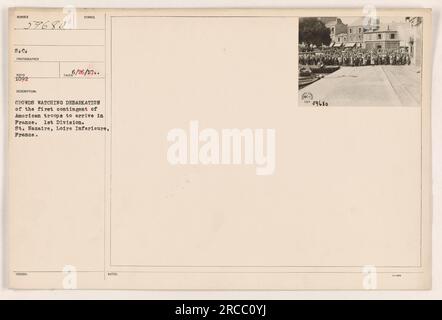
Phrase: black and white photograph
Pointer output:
(360, 61)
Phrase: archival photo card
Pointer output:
(171, 149)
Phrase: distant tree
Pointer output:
(313, 31)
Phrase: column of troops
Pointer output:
(354, 57)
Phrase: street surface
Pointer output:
(380, 85)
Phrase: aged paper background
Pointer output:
(294, 187)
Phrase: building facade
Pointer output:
(340, 39)
(369, 33)
(355, 34)
(382, 39)
(415, 40)
(347, 35)
(337, 28)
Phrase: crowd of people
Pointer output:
(353, 57)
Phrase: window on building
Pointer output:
(339, 39)
(360, 30)
(333, 30)
(379, 36)
(350, 30)
(392, 36)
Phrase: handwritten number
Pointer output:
(45, 25)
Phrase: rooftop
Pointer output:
(383, 28)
